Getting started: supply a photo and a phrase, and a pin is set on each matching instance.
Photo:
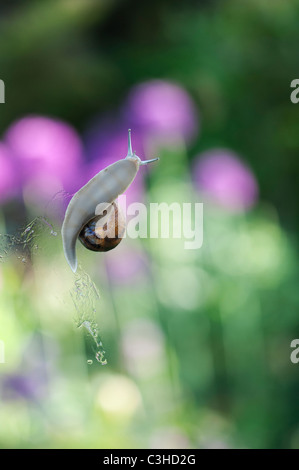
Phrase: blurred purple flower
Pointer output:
(21, 386)
(126, 265)
(48, 150)
(8, 174)
(30, 381)
(162, 109)
(225, 179)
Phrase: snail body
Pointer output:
(90, 202)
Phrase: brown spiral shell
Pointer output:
(98, 237)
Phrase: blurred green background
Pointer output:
(197, 342)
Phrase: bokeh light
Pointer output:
(222, 176)
(162, 110)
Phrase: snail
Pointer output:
(93, 215)
(104, 235)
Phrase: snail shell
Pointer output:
(99, 236)
(87, 204)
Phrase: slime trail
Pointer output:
(24, 242)
(85, 295)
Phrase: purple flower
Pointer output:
(30, 380)
(8, 174)
(162, 109)
(49, 153)
(221, 175)
(21, 386)
(125, 265)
